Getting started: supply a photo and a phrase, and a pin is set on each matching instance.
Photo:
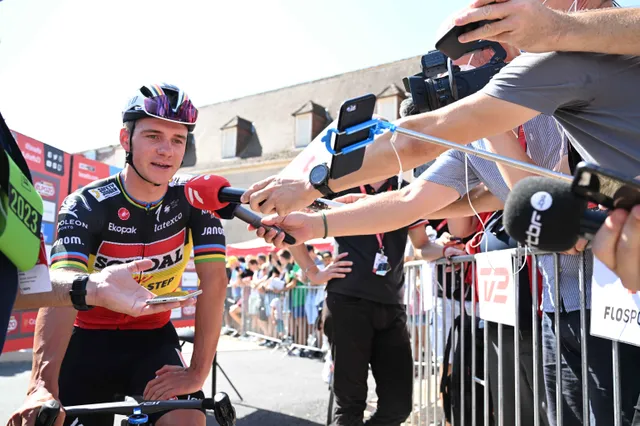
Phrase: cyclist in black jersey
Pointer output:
(140, 213)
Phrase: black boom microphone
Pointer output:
(544, 213)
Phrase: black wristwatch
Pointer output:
(319, 179)
(78, 293)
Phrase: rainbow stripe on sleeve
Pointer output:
(209, 253)
(70, 259)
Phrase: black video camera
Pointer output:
(430, 92)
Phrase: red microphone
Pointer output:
(211, 192)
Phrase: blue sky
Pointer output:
(67, 67)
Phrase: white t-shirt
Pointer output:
(276, 304)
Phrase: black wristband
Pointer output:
(78, 293)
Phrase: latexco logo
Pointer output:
(161, 226)
(122, 229)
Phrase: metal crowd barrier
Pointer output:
(492, 283)
(291, 318)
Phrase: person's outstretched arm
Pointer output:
(533, 27)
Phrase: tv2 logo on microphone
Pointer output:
(495, 287)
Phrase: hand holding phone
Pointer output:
(605, 187)
(452, 47)
(176, 296)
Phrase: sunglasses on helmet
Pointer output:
(160, 107)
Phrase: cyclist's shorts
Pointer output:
(104, 365)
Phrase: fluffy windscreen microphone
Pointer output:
(544, 213)
(213, 193)
(407, 108)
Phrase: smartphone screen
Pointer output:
(176, 296)
(352, 112)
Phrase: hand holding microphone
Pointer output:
(546, 214)
(211, 192)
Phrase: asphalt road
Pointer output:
(277, 389)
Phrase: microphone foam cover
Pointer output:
(407, 108)
(544, 213)
(202, 192)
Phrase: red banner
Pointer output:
(84, 171)
(49, 168)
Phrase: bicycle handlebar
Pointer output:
(220, 404)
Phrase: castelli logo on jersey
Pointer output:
(123, 213)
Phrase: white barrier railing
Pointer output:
(508, 387)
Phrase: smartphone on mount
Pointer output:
(176, 296)
(352, 112)
(605, 187)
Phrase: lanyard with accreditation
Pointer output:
(381, 263)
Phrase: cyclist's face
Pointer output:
(158, 148)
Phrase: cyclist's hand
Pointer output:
(114, 288)
(172, 380)
(26, 415)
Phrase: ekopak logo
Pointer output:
(495, 282)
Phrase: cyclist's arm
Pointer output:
(210, 250)
(77, 223)
(61, 281)
(52, 335)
